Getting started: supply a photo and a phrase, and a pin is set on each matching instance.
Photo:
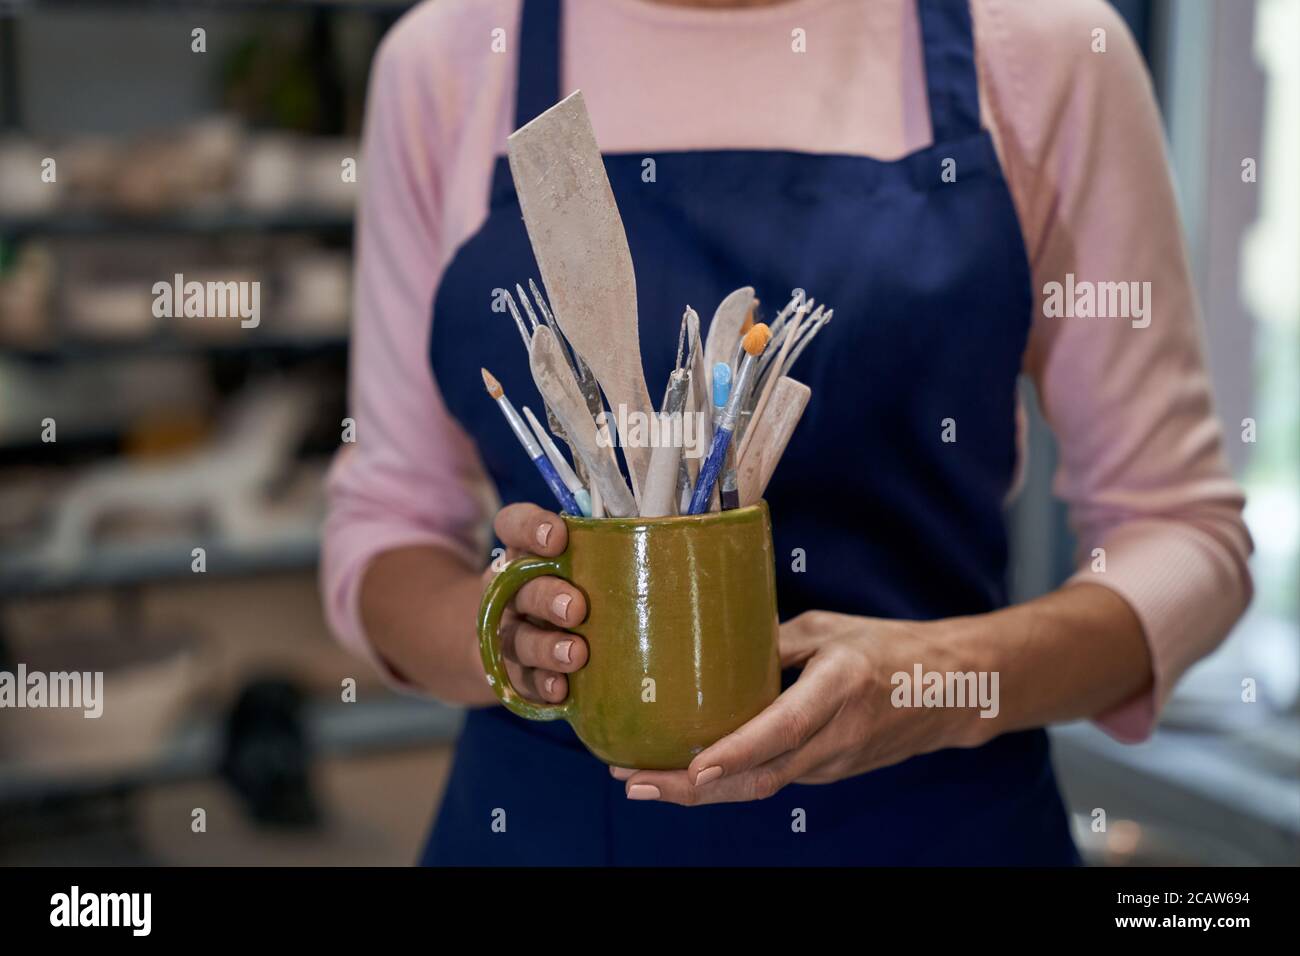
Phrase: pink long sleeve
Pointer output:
(1141, 459)
(412, 476)
(1141, 464)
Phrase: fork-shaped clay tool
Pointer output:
(555, 381)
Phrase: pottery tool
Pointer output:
(770, 435)
(567, 474)
(806, 337)
(699, 405)
(578, 240)
(755, 341)
(590, 390)
(661, 479)
(721, 388)
(721, 382)
(777, 325)
(739, 351)
(530, 444)
(724, 330)
(555, 381)
(525, 332)
(753, 409)
(586, 381)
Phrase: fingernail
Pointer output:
(562, 650)
(707, 775)
(620, 773)
(560, 605)
(642, 791)
(543, 532)
(550, 686)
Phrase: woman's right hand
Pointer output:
(537, 651)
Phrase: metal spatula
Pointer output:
(578, 239)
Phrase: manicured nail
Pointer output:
(543, 532)
(562, 651)
(560, 605)
(707, 775)
(550, 686)
(642, 791)
(620, 773)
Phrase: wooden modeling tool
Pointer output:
(661, 479)
(555, 381)
(531, 446)
(770, 435)
(581, 248)
(755, 341)
(567, 474)
(724, 330)
(778, 324)
(754, 408)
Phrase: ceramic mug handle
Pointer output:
(498, 595)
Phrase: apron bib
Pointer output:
(931, 289)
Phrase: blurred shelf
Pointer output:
(391, 721)
(89, 223)
(127, 566)
(170, 343)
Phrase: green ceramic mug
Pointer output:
(681, 628)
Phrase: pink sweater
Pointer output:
(1141, 462)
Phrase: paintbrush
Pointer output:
(567, 474)
(721, 392)
(530, 444)
(764, 382)
(754, 342)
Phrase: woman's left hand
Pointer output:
(835, 721)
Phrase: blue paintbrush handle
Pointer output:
(557, 486)
(709, 471)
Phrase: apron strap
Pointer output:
(949, 48)
(538, 85)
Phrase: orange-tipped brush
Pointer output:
(753, 344)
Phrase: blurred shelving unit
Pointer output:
(276, 49)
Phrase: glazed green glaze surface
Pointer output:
(682, 632)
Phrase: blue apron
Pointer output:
(931, 289)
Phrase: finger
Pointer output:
(801, 636)
(552, 599)
(792, 719)
(538, 684)
(543, 647)
(530, 528)
(756, 783)
(621, 773)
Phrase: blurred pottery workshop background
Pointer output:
(160, 476)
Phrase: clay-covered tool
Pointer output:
(771, 433)
(724, 331)
(554, 379)
(580, 246)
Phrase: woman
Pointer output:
(926, 168)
